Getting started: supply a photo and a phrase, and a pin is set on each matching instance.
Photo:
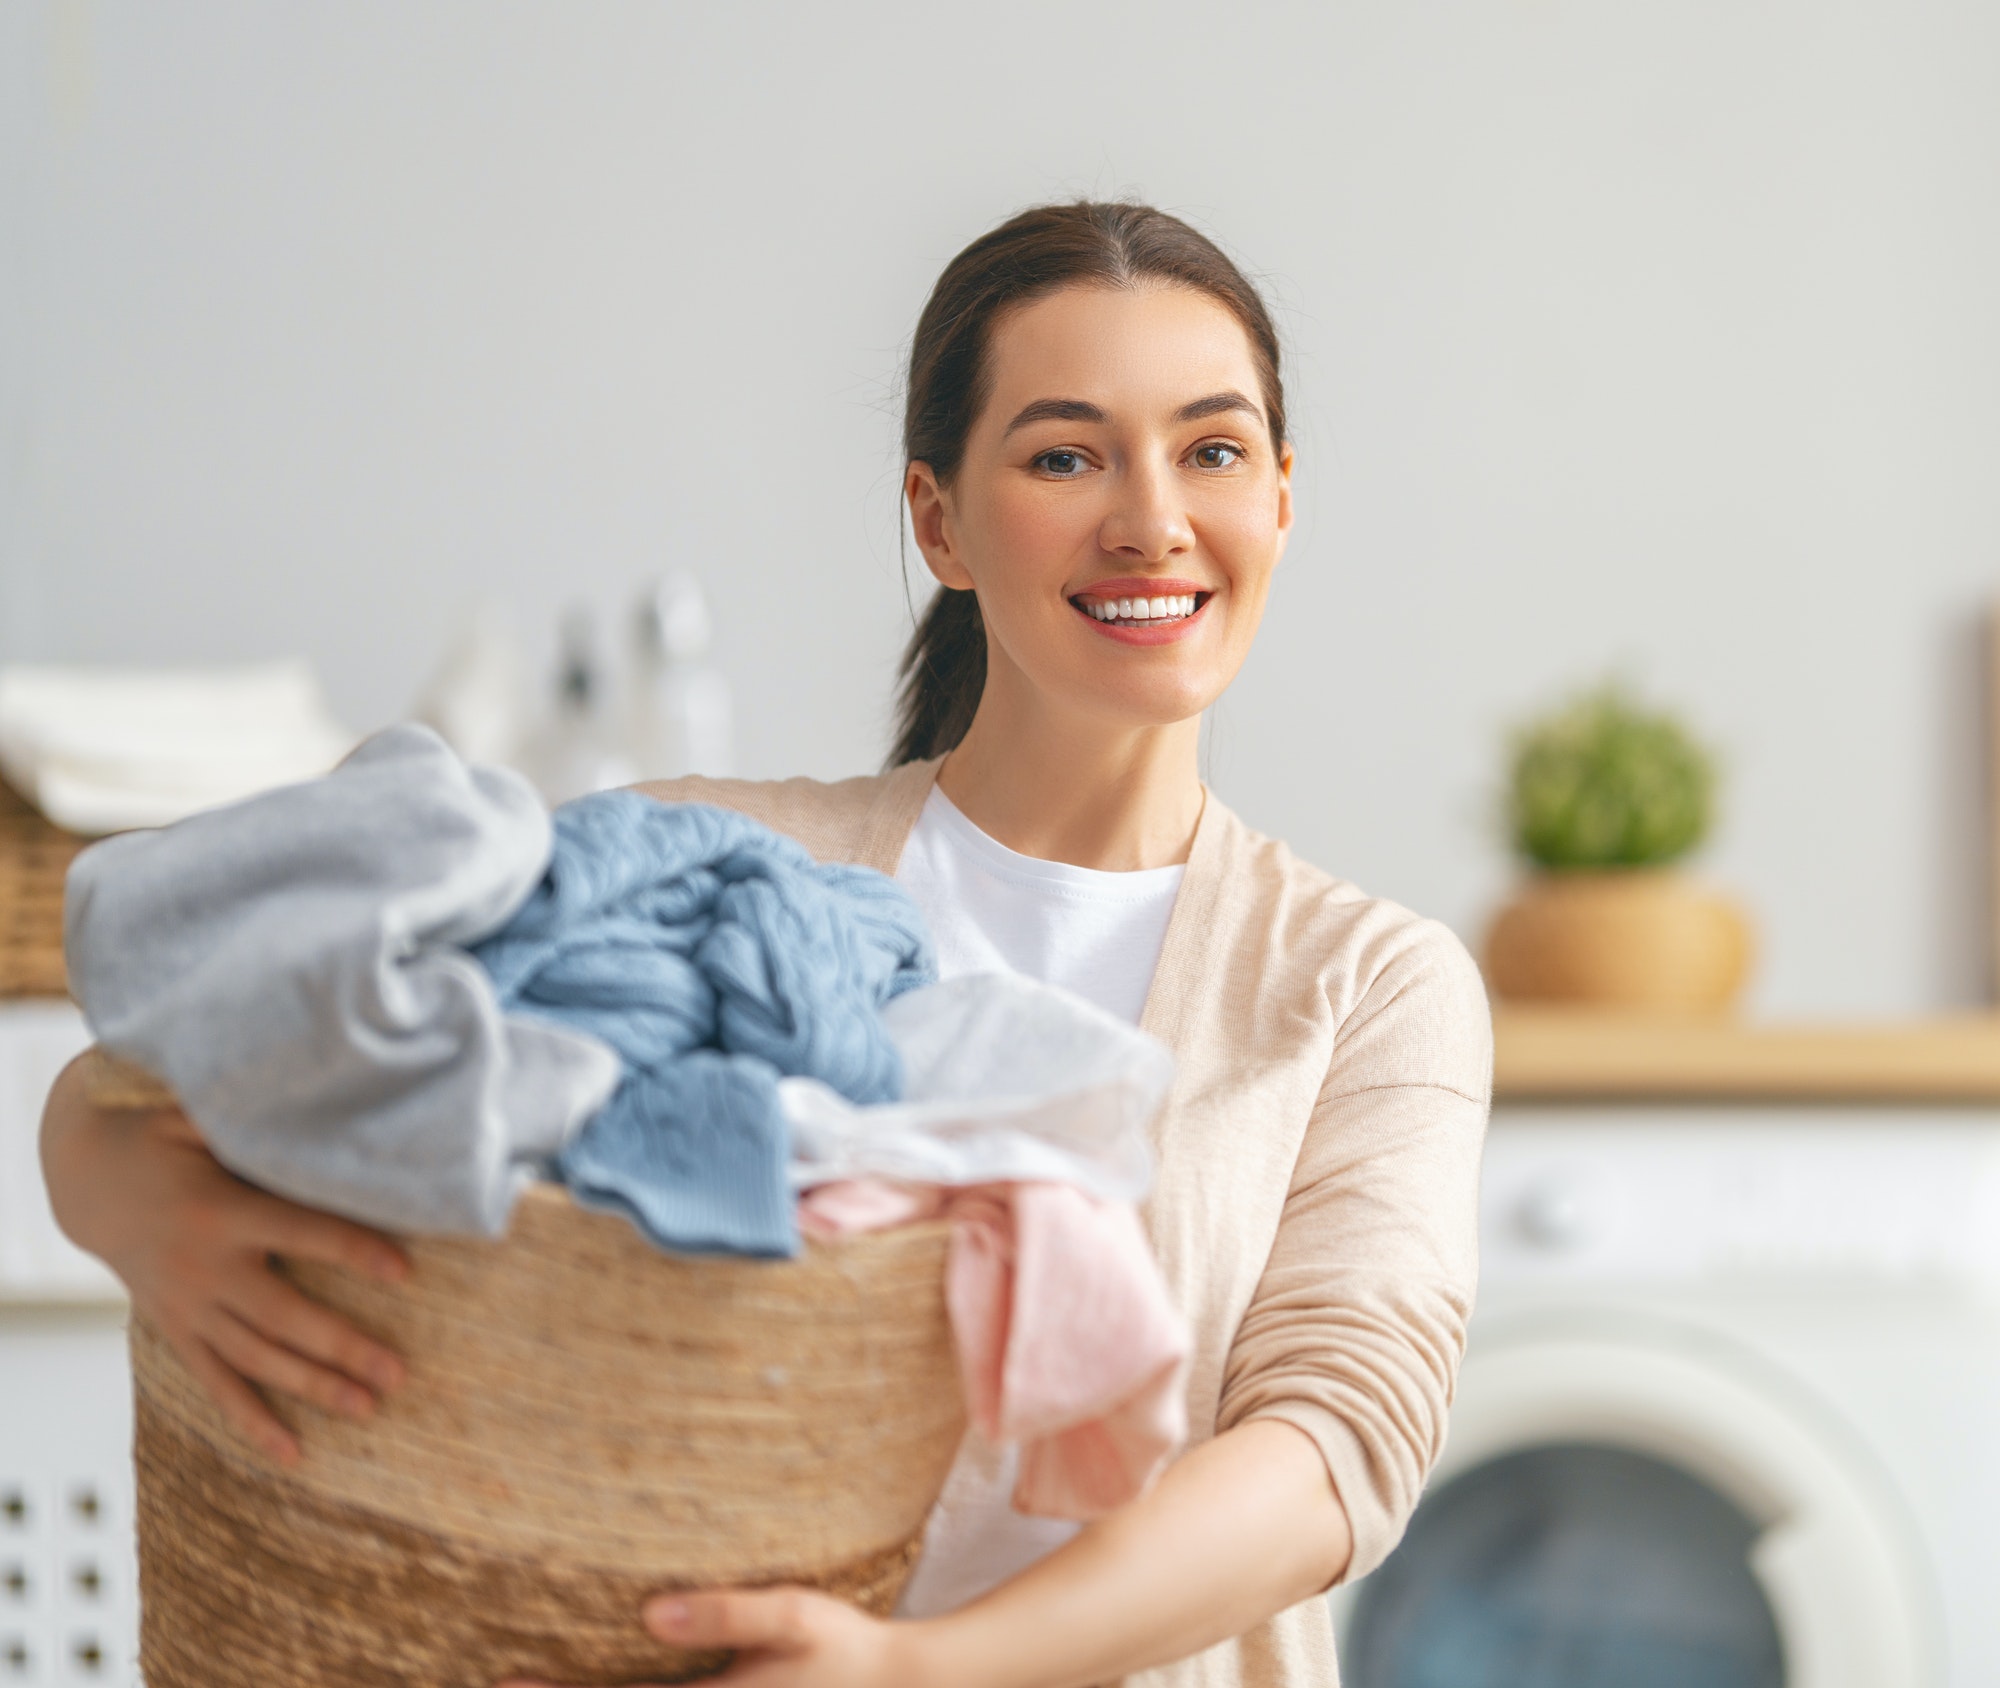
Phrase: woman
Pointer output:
(1099, 477)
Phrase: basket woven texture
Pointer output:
(586, 1422)
(34, 856)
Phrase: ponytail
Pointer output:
(943, 672)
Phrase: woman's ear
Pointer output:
(1286, 459)
(932, 522)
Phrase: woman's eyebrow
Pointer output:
(1082, 410)
(1057, 410)
(1216, 404)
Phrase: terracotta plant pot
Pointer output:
(1646, 939)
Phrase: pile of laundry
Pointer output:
(403, 990)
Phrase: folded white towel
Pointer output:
(106, 749)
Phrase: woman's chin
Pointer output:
(1131, 708)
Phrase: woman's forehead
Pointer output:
(1137, 351)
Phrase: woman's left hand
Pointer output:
(787, 1638)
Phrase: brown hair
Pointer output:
(1094, 243)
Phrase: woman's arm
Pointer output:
(1332, 1406)
(194, 1246)
(1237, 1529)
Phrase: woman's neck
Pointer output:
(1112, 798)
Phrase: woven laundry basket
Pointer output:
(586, 1421)
(34, 858)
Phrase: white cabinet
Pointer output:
(68, 1571)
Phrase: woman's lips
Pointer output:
(1142, 612)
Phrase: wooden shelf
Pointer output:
(1548, 1054)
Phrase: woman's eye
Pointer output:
(1217, 454)
(1060, 462)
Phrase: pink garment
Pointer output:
(1067, 1343)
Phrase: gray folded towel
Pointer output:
(296, 968)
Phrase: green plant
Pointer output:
(1605, 783)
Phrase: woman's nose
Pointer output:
(1146, 521)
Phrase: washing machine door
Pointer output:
(1642, 1510)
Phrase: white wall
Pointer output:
(1658, 335)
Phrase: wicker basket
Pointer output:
(586, 1421)
(34, 858)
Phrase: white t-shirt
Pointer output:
(991, 909)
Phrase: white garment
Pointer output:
(1098, 934)
(991, 909)
(1006, 1080)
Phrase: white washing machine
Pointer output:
(69, 1599)
(1729, 1417)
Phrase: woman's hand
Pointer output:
(788, 1638)
(194, 1246)
(1236, 1529)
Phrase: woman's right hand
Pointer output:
(195, 1247)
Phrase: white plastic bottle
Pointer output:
(477, 696)
(577, 751)
(679, 717)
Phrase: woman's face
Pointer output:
(1120, 506)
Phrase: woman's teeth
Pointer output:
(1140, 609)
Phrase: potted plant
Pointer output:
(1604, 798)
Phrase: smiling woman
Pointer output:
(1081, 381)
(1100, 479)
(1100, 484)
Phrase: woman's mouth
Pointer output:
(1130, 613)
(1171, 606)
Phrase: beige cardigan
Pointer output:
(1318, 1159)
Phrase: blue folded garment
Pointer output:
(715, 956)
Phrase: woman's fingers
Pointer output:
(778, 1618)
(283, 1227)
(280, 1311)
(261, 1360)
(193, 1244)
(789, 1636)
(241, 1405)
(740, 1618)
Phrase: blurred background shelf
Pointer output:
(1553, 1054)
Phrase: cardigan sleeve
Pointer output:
(1357, 1325)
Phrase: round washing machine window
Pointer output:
(1645, 1509)
(1569, 1566)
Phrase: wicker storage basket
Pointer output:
(586, 1421)
(34, 857)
